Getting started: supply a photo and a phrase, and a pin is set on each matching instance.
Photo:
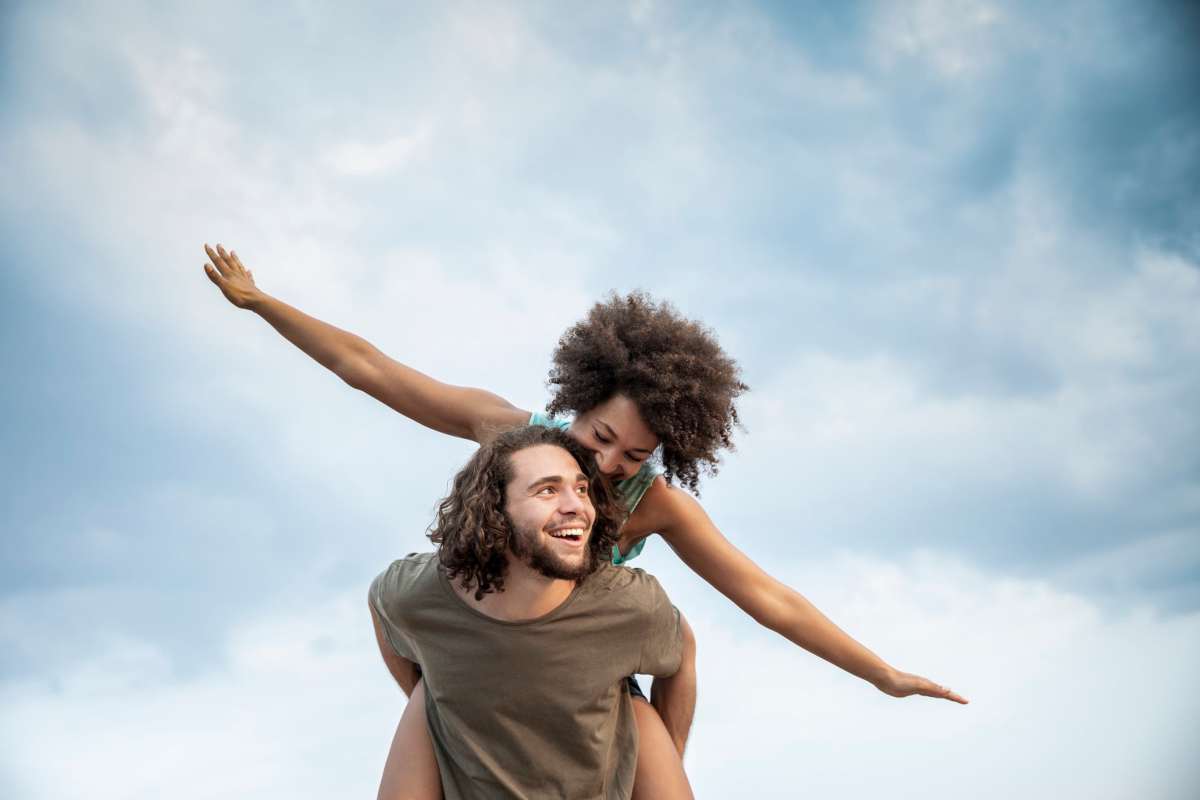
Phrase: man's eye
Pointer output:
(583, 489)
(546, 490)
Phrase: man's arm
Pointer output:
(456, 410)
(404, 671)
(674, 697)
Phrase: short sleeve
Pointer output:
(662, 644)
(387, 597)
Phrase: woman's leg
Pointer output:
(659, 766)
(411, 770)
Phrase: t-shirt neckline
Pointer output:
(444, 581)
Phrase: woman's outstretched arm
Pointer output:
(680, 520)
(457, 410)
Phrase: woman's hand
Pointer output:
(234, 280)
(903, 684)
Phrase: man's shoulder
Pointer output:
(416, 563)
(630, 584)
(416, 572)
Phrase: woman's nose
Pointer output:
(609, 464)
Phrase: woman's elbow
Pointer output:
(769, 608)
(356, 373)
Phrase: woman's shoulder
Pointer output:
(634, 488)
(546, 421)
(664, 509)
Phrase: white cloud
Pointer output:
(184, 90)
(357, 158)
(1154, 565)
(493, 36)
(301, 710)
(901, 425)
(875, 424)
(956, 39)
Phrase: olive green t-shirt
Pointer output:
(537, 708)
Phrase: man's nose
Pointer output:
(570, 503)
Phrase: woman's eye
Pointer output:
(600, 438)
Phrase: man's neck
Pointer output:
(528, 594)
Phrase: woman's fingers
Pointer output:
(217, 260)
(231, 264)
(955, 697)
(238, 263)
(231, 277)
(932, 689)
(225, 262)
(909, 684)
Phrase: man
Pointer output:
(523, 631)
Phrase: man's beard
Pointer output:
(528, 545)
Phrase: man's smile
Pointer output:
(572, 535)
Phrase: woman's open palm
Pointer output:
(904, 684)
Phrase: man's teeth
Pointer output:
(568, 533)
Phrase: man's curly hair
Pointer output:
(472, 530)
(683, 383)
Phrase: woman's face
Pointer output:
(618, 435)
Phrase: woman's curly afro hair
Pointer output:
(672, 368)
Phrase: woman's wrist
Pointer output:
(882, 677)
(255, 301)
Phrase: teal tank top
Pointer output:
(632, 489)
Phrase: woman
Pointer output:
(638, 379)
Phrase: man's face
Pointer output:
(551, 513)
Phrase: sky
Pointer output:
(954, 246)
